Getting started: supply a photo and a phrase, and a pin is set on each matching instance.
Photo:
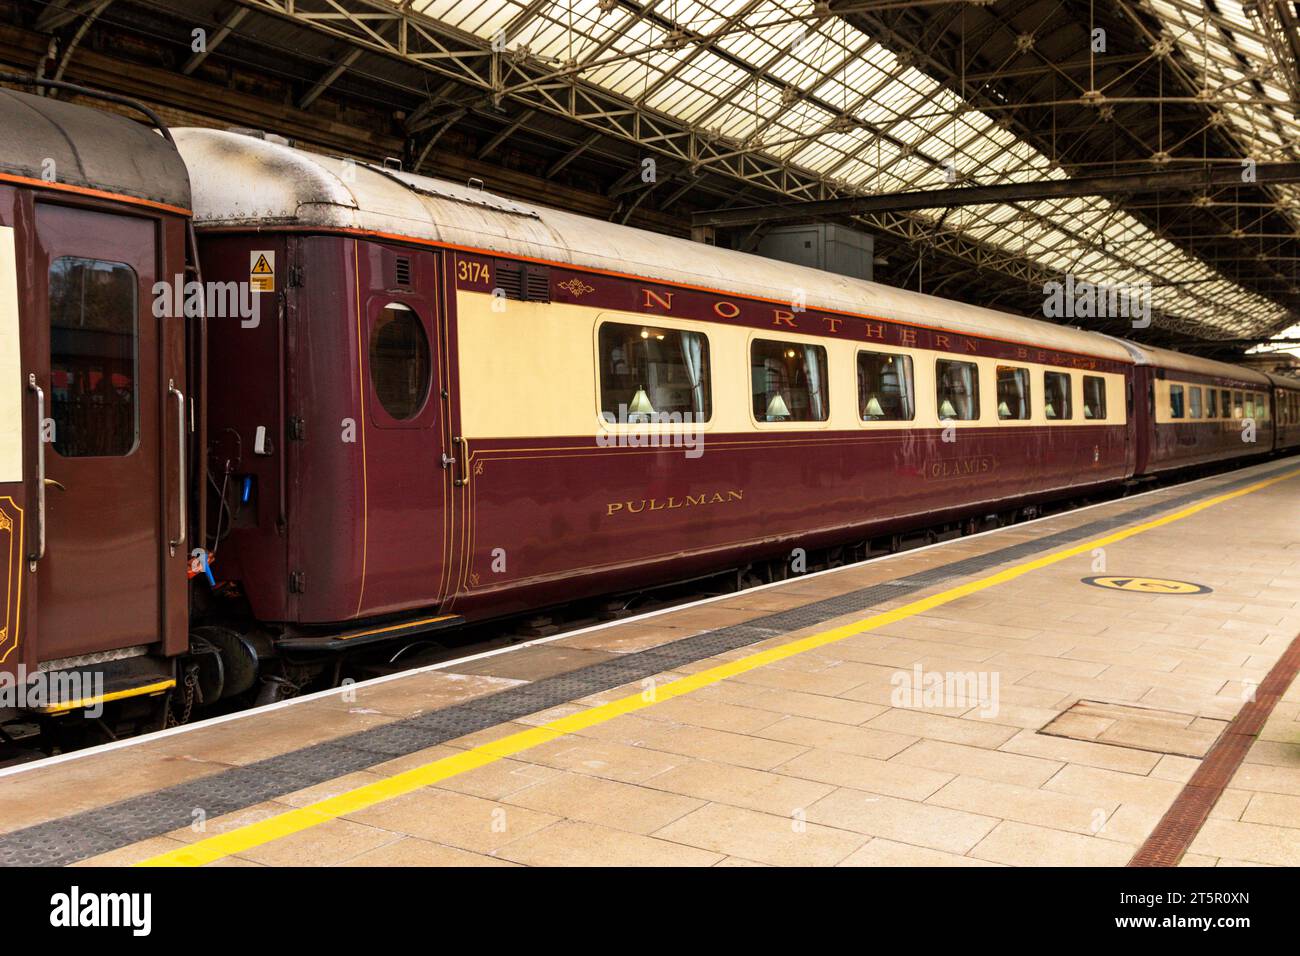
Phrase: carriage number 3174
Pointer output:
(469, 271)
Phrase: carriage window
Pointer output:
(1057, 397)
(650, 374)
(788, 381)
(399, 361)
(1250, 405)
(1013, 392)
(1094, 397)
(957, 393)
(1261, 407)
(1231, 410)
(94, 346)
(1176, 409)
(1211, 403)
(1194, 402)
(885, 387)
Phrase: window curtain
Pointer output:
(693, 359)
(812, 369)
(903, 366)
(966, 391)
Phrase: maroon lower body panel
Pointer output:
(545, 522)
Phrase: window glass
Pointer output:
(1176, 407)
(94, 348)
(652, 374)
(1094, 397)
(1211, 403)
(885, 389)
(1057, 401)
(1261, 407)
(1194, 402)
(957, 392)
(788, 381)
(1238, 406)
(1013, 392)
(399, 361)
(1250, 405)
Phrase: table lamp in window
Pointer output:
(1050, 410)
(1087, 411)
(1004, 410)
(777, 408)
(873, 409)
(946, 411)
(640, 406)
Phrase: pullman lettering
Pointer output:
(673, 502)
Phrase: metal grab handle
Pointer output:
(180, 451)
(462, 448)
(40, 470)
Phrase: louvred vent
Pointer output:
(403, 271)
(527, 282)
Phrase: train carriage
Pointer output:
(476, 406)
(1195, 411)
(1286, 413)
(94, 413)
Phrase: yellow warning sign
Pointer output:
(1147, 585)
(261, 270)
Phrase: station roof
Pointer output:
(824, 95)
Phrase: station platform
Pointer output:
(1113, 686)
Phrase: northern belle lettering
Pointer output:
(672, 502)
(696, 305)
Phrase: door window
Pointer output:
(94, 352)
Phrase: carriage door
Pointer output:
(407, 485)
(99, 580)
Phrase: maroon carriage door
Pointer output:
(407, 485)
(99, 579)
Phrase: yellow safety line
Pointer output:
(294, 821)
(155, 688)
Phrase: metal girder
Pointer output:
(1206, 178)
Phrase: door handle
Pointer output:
(55, 483)
(39, 553)
(180, 452)
(462, 451)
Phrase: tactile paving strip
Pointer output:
(91, 832)
(1191, 808)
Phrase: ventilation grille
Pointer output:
(404, 271)
(527, 282)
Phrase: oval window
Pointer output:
(399, 361)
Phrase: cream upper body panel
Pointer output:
(241, 180)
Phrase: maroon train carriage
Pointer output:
(94, 414)
(1286, 402)
(469, 406)
(1195, 411)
